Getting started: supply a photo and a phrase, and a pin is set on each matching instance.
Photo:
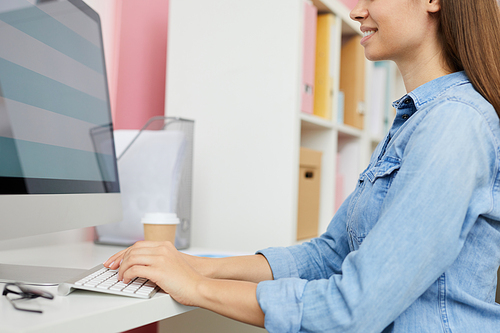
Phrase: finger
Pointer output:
(146, 258)
(114, 261)
(115, 264)
(132, 272)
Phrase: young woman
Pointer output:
(416, 247)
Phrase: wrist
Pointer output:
(202, 265)
(230, 298)
(204, 290)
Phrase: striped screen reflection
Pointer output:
(55, 121)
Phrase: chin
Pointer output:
(374, 54)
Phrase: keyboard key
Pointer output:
(103, 286)
(106, 280)
(143, 291)
(128, 291)
(91, 284)
(131, 289)
(118, 286)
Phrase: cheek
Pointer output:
(391, 43)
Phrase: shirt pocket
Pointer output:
(385, 169)
(365, 212)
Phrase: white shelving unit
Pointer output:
(235, 68)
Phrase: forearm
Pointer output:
(161, 263)
(233, 299)
(253, 268)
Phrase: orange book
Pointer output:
(352, 82)
(325, 51)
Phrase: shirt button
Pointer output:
(405, 117)
(407, 101)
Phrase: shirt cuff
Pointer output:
(281, 261)
(281, 302)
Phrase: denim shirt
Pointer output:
(416, 246)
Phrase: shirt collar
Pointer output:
(432, 89)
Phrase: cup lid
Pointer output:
(160, 218)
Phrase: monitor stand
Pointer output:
(37, 274)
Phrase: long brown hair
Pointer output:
(470, 30)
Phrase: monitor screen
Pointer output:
(55, 124)
(56, 134)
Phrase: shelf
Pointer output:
(266, 46)
(346, 131)
(338, 8)
(312, 122)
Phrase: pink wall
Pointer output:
(138, 69)
(138, 80)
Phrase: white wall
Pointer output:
(234, 67)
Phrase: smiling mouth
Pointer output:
(368, 33)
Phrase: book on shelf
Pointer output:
(389, 111)
(352, 82)
(378, 99)
(309, 57)
(339, 185)
(325, 53)
(340, 107)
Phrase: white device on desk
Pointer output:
(58, 166)
(105, 280)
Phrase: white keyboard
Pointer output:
(105, 280)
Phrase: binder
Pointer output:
(339, 185)
(388, 109)
(325, 51)
(340, 107)
(309, 57)
(352, 82)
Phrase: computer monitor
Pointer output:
(57, 158)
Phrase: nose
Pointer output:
(359, 12)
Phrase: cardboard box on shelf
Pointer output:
(309, 193)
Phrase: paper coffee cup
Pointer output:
(160, 226)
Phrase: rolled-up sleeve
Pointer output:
(425, 218)
(289, 316)
(317, 259)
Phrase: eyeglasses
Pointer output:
(25, 294)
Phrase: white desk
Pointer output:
(81, 311)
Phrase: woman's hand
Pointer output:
(253, 268)
(161, 263)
